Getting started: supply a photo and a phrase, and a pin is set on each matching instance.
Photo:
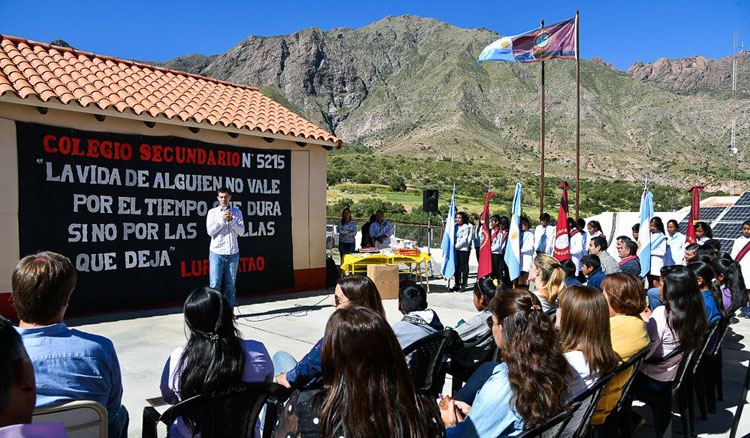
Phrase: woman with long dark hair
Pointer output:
(215, 356)
(529, 387)
(367, 392)
(710, 290)
(732, 282)
(679, 323)
(347, 233)
(350, 290)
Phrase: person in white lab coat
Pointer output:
(576, 244)
(527, 251)
(544, 235)
(676, 242)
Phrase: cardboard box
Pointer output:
(385, 278)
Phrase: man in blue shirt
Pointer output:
(381, 230)
(591, 268)
(69, 364)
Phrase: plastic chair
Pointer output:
(680, 388)
(461, 373)
(82, 418)
(426, 362)
(741, 404)
(696, 379)
(554, 427)
(592, 396)
(709, 382)
(620, 415)
(228, 412)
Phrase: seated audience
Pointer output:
(654, 295)
(476, 333)
(69, 364)
(367, 391)
(549, 280)
(679, 324)
(18, 390)
(712, 300)
(592, 270)
(529, 387)
(353, 289)
(418, 320)
(732, 283)
(583, 319)
(598, 247)
(691, 251)
(626, 301)
(630, 263)
(570, 272)
(620, 241)
(214, 357)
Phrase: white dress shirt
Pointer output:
(224, 233)
(549, 231)
(676, 244)
(658, 253)
(745, 262)
(527, 250)
(576, 249)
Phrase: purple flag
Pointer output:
(555, 41)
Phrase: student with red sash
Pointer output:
(741, 252)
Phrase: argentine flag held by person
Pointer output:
(644, 234)
(449, 240)
(513, 248)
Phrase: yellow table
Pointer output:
(356, 263)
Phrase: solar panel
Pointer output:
(737, 213)
(744, 199)
(724, 230)
(726, 245)
(710, 213)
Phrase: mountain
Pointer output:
(410, 86)
(695, 74)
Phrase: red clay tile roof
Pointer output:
(52, 73)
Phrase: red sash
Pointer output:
(495, 234)
(743, 252)
(627, 259)
(574, 232)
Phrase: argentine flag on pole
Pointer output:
(449, 240)
(513, 248)
(644, 235)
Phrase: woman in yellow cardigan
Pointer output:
(626, 299)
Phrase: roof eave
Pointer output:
(34, 101)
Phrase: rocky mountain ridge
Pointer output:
(411, 86)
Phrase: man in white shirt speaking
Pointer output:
(224, 223)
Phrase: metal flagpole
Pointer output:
(541, 184)
(578, 114)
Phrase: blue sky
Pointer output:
(620, 32)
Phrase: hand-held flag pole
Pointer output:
(578, 113)
(541, 183)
